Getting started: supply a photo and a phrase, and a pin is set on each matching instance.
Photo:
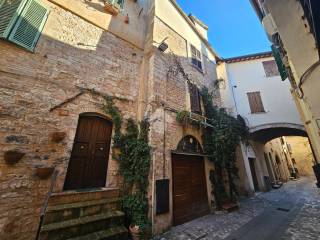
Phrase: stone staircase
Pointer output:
(89, 215)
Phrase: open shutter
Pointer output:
(9, 13)
(195, 99)
(281, 66)
(30, 23)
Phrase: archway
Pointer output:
(271, 141)
(266, 132)
(189, 188)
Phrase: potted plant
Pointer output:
(136, 209)
(58, 136)
(13, 156)
(44, 172)
(112, 6)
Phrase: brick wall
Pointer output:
(70, 53)
(170, 91)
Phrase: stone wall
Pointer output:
(71, 53)
(167, 93)
(302, 155)
(41, 94)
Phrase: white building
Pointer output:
(294, 28)
(251, 86)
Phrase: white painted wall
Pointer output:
(249, 76)
(302, 53)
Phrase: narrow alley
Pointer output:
(291, 212)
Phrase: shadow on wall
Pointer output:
(33, 83)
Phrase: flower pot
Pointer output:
(135, 232)
(44, 172)
(13, 156)
(116, 152)
(58, 136)
(112, 9)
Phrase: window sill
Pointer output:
(197, 68)
(257, 113)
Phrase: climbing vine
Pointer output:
(134, 165)
(220, 144)
(222, 134)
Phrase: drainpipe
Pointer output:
(316, 167)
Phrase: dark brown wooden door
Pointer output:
(190, 199)
(89, 159)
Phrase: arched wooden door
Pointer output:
(89, 158)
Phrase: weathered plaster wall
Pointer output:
(302, 154)
(294, 31)
(168, 13)
(71, 52)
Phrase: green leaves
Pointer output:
(134, 164)
(136, 207)
(221, 142)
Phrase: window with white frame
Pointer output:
(196, 57)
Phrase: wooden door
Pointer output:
(89, 159)
(254, 174)
(190, 199)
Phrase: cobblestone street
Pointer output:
(292, 212)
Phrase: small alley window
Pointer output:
(255, 102)
(195, 99)
(270, 68)
(196, 57)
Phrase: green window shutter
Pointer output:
(117, 3)
(29, 25)
(278, 58)
(9, 13)
(120, 3)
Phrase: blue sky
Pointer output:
(234, 28)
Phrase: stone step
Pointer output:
(81, 226)
(82, 196)
(70, 211)
(116, 233)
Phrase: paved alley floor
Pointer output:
(289, 213)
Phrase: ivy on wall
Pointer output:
(134, 165)
(222, 134)
(220, 144)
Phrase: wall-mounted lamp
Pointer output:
(163, 47)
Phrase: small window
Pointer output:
(195, 99)
(255, 102)
(271, 68)
(196, 57)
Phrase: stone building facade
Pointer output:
(83, 48)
